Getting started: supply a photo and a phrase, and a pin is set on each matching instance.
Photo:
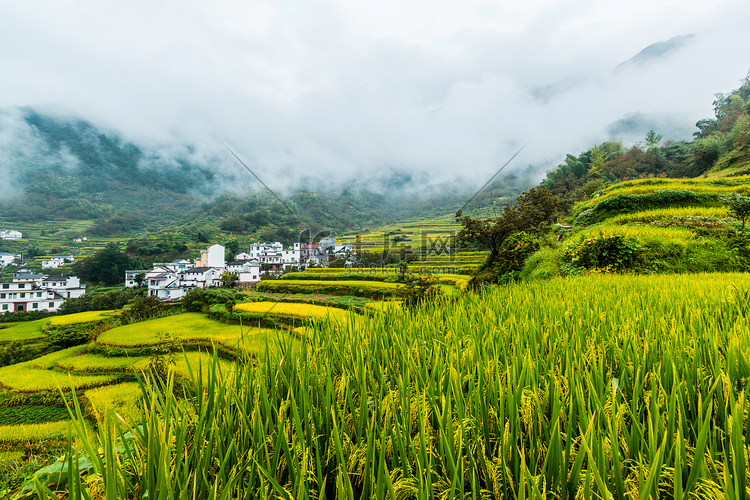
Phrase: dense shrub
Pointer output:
(62, 337)
(17, 352)
(112, 299)
(613, 252)
(17, 316)
(144, 308)
(201, 299)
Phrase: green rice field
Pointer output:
(189, 327)
(593, 387)
(30, 330)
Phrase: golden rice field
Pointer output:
(648, 216)
(189, 327)
(82, 317)
(593, 387)
(27, 433)
(29, 330)
(664, 233)
(123, 399)
(292, 310)
(38, 375)
(411, 233)
(741, 180)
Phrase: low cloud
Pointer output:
(309, 92)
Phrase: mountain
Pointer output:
(656, 51)
(67, 168)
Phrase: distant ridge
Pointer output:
(656, 51)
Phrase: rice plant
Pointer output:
(596, 387)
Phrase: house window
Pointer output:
(51, 304)
(22, 285)
(35, 306)
(23, 295)
(2, 295)
(38, 294)
(6, 286)
(5, 307)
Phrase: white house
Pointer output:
(201, 277)
(273, 255)
(213, 256)
(47, 294)
(247, 271)
(130, 275)
(26, 276)
(56, 261)
(69, 287)
(10, 234)
(167, 286)
(8, 258)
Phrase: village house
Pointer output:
(56, 261)
(7, 258)
(10, 234)
(69, 287)
(247, 270)
(29, 293)
(172, 280)
(26, 276)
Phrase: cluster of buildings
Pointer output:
(172, 280)
(10, 234)
(56, 261)
(38, 292)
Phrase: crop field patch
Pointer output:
(596, 375)
(363, 284)
(30, 433)
(82, 317)
(292, 309)
(29, 330)
(371, 288)
(190, 327)
(96, 363)
(38, 375)
(32, 414)
(123, 399)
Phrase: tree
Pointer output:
(598, 159)
(140, 278)
(532, 212)
(739, 207)
(228, 279)
(653, 139)
(107, 266)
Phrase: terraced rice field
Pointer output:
(408, 235)
(292, 310)
(29, 330)
(595, 387)
(372, 289)
(643, 186)
(82, 317)
(189, 327)
(37, 375)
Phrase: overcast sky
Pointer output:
(361, 88)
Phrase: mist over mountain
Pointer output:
(67, 168)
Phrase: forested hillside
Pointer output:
(721, 147)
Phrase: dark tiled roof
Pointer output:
(198, 270)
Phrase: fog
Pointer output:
(352, 91)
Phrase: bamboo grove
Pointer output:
(595, 387)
